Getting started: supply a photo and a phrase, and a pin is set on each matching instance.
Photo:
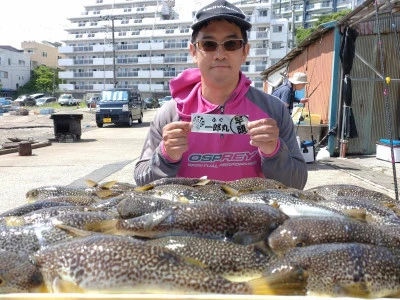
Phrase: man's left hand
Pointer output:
(264, 134)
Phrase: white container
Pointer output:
(383, 152)
(307, 150)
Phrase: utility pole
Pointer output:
(293, 44)
(112, 18)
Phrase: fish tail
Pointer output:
(288, 283)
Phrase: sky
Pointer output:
(37, 20)
(46, 20)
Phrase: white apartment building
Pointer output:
(143, 44)
(307, 12)
(15, 67)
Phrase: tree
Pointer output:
(42, 80)
(302, 33)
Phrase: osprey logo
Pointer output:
(223, 157)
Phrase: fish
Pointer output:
(232, 261)
(246, 185)
(180, 181)
(115, 264)
(40, 215)
(212, 193)
(305, 231)
(169, 191)
(30, 207)
(292, 206)
(138, 205)
(79, 219)
(330, 191)
(374, 213)
(336, 270)
(54, 191)
(242, 223)
(27, 239)
(19, 275)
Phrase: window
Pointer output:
(44, 54)
(9, 61)
(277, 28)
(125, 22)
(127, 10)
(263, 13)
(90, 35)
(276, 45)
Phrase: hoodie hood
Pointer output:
(186, 91)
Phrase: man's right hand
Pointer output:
(304, 100)
(175, 138)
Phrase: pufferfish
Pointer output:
(115, 264)
(337, 270)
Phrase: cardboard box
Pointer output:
(383, 151)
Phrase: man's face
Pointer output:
(300, 86)
(221, 67)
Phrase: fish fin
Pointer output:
(144, 188)
(274, 204)
(230, 191)
(106, 226)
(359, 214)
(104, 193)
(62, 286)
(288, 283)
(355, 289)
(161, 216)
(91, 183)
(202, 181)
(76, 232)
(108, 185)
(14, 221)
(195, 262)
(182, 199)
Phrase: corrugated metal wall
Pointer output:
(316, 61)
(368, 103)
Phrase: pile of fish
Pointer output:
(251, 236)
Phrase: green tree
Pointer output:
(43, 80)
(302, 33)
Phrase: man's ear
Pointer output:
(194, 59)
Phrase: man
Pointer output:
(217, 89)
(286, 92)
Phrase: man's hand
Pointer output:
(175, 138)
(264, 134)
(304, 100)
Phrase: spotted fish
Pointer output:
(305, 231)
(235, 262)
(336, 270)
(18, 274)
(112, 264)
(242, 223)
(246, 185)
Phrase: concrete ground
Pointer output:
(110, 153)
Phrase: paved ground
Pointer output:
(109, 153)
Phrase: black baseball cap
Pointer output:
(220, 10)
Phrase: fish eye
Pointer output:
(300, 244)
(1, 281)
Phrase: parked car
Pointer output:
(92, 101)
(119, 106)
(67, 99)
(5, 104)
(165, 99)
(45, 100)
(20, 99)
(151, 102)
(30, 100)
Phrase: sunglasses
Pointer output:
(229, 45)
